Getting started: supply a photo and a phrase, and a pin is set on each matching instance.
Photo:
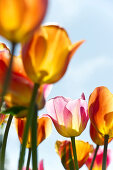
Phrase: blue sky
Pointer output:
(91, 66)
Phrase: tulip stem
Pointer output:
(92, 163)
(34, 139)
(2, 156)
(106, 137)
(74, 152)
(28, 124)
(28, 160)
(8, 75)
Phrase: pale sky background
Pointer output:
(91, 66)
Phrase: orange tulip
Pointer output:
(47, 55)
(20, 18)
(100, 108)
(64, 150)
(44, 129)
(96, 137)
(20, 87)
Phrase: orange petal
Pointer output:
(44, 129)
(96, 137)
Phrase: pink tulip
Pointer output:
(98, 161)
(69, 116)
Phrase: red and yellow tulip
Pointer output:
(100, 109)
(47, 54)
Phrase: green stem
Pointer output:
(2, 157)
(92, 163)
(34, 139)
(106, 137)
(74, 152)
(8, 75)
(28, 160)
(28, 124)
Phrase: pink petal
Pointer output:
(55, 108)
(47, 89)
(40, 165)
(83, 96)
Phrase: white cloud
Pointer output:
(87, 68)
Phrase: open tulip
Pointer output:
(96, 137)
(64, 150)
(47, 55)
(20, 18)
(44, 129)
(69, 116)
(20, 88)
(98, 161)
(100, 109)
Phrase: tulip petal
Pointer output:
(96, 137)
(40, 165)
(44, 129)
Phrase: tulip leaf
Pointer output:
(14, 110)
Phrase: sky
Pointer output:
(90, 67)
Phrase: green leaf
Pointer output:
(14, 110)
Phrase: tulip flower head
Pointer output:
(100, 109)
(64, 150)
(44, 129)
(20, 18)
(98, 161)
(69, 116)
(47, 55)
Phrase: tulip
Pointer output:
(96, 137)
(64, 150)
(98, 161)
(69, 116)
(44, 129)
(100, 109)
(19, 19)
(47, 54)
(20, 87)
